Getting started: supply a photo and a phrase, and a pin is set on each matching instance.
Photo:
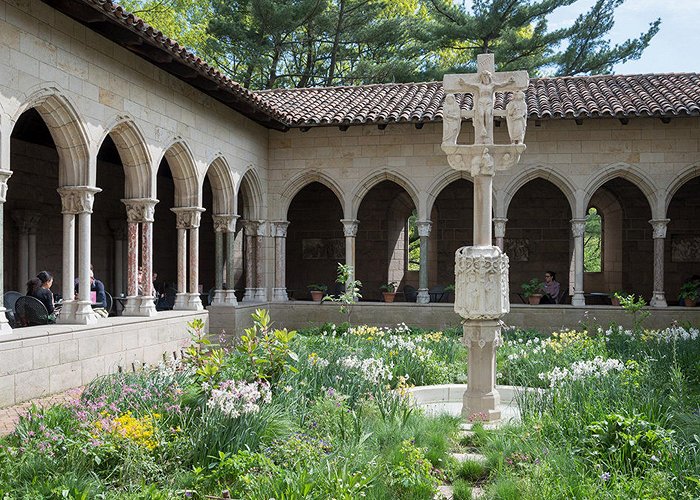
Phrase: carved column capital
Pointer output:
(659, 226)
(77, 199)
(499, 227)
(350, 227)
(250, 227)
(424, 227)
(578, 227)
(187, 217)
(26, 220)
(224, 223)
(262, 228)
(4, 176)
(279, 228)
(140, 209)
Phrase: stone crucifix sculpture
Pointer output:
(481, 270)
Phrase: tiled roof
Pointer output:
(619, 96)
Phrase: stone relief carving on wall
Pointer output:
(517, 249)
(323, 249)
(685, 249)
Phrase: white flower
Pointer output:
(239, 398)
(372, 369)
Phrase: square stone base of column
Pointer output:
(219, 298)
(658, 299)
(194, 303)
(230, 298)
(4, 324)
(78, 313)
(181, 302)
(250, 295)
(423, 296)
(279, 295)
(481, 399)
(578, 300)
(132, 306)
(261, 294)
(147, 307)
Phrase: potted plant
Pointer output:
(449, 291)
(615, 297)
(533, 290)
(317, 290)
(389, 291)
(690, 292)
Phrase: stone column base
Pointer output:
(260, 294)
(219, 298)
(147, 307)
(181, 302)
(481, 399)
(423, 296)
(279, 295)
(132, 307)
(658, 299)
(194, 302)
(578, 299)
(230, 298)
(249, 295)
(77, 313)
(4, 324)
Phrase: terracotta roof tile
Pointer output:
(561, 97)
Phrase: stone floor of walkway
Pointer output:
(10, 416)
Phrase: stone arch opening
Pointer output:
(373, 180)
(134, 157)
(609, 279)
(382, 237)
(682, 247)
(315, 242)
(537, 237)
(304, 179)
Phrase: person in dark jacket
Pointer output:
(40, 288)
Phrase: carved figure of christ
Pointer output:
(483, 85)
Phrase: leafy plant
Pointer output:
(317, 287)
(346, 277)
(389, 287)
(207, 359)
(690, 290)
(532, 287)
(635, 306)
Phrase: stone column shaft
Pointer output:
(578, 229)
(4, 176)
(147, 258)
(482, 210)
(32, 254)
(67, 289)
(260, 289)
(23, 251)
(133, 259)
(250, 229)
(499, 230)
(424, 235)
(219, 260)
(27, 222)
(181, 260)
(658, 298)
(139, 212)
(350, 227)
(279, 231)
(187, 221)
(224, 231)
(194, 261)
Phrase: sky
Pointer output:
(674, 49)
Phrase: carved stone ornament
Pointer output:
(26, 220)
(516, 117)
(279, 228)
(659, 226)
(261, 229)
(4, 176)
(187, 217)
(225, 223)
(424, 227)
(77, 199)
(499, 227)
(350, 227)
(140, 209)
(250, 227)
(578, 227)
(481, 283)
(483, 334)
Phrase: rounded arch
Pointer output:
(539, 172)
(222, 185)
(375, 178)
(184, 172)
(303, 179)
(440, 183)
(136, 159)
(251, 187)
(679, 181)
(68, 133)
(624, 171)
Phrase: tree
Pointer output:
(517, 32)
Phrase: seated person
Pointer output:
(40, 288)
(95, 286)
(143, 280)
(551, 288)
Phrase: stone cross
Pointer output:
(481, 271)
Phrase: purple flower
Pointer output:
(605, 476)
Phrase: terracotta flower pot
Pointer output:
(316, 295)
(389, 296)
(614, 301)
(534, 299)
(690, 302)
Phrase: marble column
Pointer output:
(230, 297)
(350, 227)
(26, 222)
(140, 213)
(119, 233)
(578, 229)
(250, 229)
(260, 288)
(279, 232)
(499, 230)
(658, 298)
(77, 200)
(187, 223)
(4, 176)
(424, 235)
(225, 230)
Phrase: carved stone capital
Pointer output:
(578, 227)
(140, 209)
(4, 176)
(481, 283)
(26, 220)
(424, 227)
(350, 227)
(262, 228)
(224, 223)
(250, 227)
(77, 199)
(499, 227)
(187, 217)
(118, 227)
(659, 226)
(279, 228)
(483, 334)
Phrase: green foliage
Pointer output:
(389, 287)
(207, 360)
(634, 306)
(532, 287)
(351, 287)
(413, 242)
(471, 470)
(317, 287)
(593, 242)
(411, 472)
(461, 490)
(690, 290)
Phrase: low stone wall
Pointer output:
(42, 360)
